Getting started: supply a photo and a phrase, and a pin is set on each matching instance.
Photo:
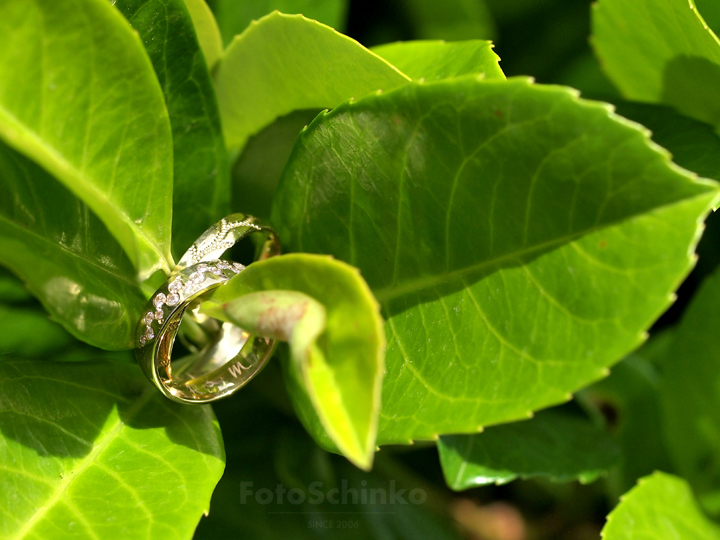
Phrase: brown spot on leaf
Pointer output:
(281, 321)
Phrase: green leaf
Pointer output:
(553, 444)
(201, 187)
(70, 432)
(207, 31)
(294, 63)
(691, 391)
(256, 173)
(628, 403)
(78, 96)
(710, 11)
(432, 60)
(28, 333)
(660, 51)
(289, 316)
(451, 20)
(234, 17)
(66, 256)
(519, 239)
(694, 145)
(660, 507)
(336, 338)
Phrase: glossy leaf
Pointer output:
(553, 445)
(71, 432)
(451, 20)
(337, 341)
(66, 256)
(660, 51)
(201, 192)
(234, 17)
(78, 95)
(207, 31)
(293, 63)
(432, 60)
(510, 231)
(661, 506)
(691, 391)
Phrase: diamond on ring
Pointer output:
(159, 300)
(211, 369)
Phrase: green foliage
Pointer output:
(334, 366)
(498, 246)
(200, 170)
(694, 145)
(257, 171)
(275, 452)
(99, 125)
(207, 31)
(234, 17)
(11, 289)
(553, 444)
(452, 19)
(660, 507)
(65, 255)
(94, 450)
(432, 60)
(487, 267)
(660, 51)
(629, 404)
(275, 53)
(19, 323)
(691, 393)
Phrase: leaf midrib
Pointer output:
(392, 292)
(83, 464)
(55, 163)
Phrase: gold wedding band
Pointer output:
(223, 357)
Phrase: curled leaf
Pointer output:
(326, 313)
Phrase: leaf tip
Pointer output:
(363, 462)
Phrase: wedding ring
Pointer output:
(222, 357)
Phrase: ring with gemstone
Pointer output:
(221, 357)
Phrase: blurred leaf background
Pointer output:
(513, 498)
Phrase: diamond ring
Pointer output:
(222, 357)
